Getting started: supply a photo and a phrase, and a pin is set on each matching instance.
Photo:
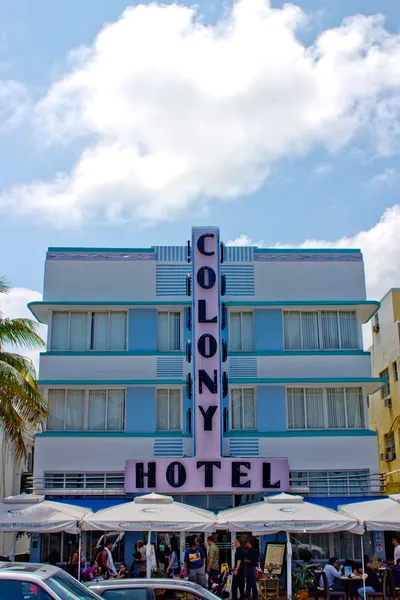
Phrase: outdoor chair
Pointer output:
(384, 593)
(331, 594)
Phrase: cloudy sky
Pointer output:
(124, 125)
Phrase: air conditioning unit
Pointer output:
(383, 456)
(375, 328)
(388, 402)
(390, 456)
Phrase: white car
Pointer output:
(26, 581)
(150, 589)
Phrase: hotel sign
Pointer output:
(208, 470)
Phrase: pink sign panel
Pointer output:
(192, 475)
(206, 342)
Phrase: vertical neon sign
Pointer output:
(207, 342)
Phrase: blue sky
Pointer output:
(325, 181)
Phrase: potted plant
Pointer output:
(303, 580)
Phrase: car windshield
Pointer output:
(68, 588)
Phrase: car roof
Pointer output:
(10, 569)
(165, 583)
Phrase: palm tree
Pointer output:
(21, 403)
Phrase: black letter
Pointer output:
(212, 385)
(212, 346)
(170, 474)
(237, 474)
(208, 471)
(267, 477)
(202, 313)
(201, 244)
(208, 416)
(201, 280)
(151, 475)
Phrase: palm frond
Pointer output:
(17, 381)
(4, 285)
(13, 426)
(20, 332)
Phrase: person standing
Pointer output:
(212, 561)
(396, 544)
(251, 562)
(172, 559)
(110, 567)
(143, 558)
(194, 562)
(238, 571)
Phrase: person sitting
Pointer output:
(123, 572)
(332, 572)
(396, 574)
(90, 572)
(372, 581)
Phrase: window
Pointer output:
(92, 410)
(385, 389)
(331, 408)
(126, 594)
(390, 447)
(243, 408)
(241, 328)
(24, 590)
(324, 545)
(168, 412)
(320, 330)
(305, 408)
(332, 483)
(395, 371)
(169, 331)
(81, 331)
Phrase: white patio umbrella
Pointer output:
(27, 512)
(381, 514)
(151, 512)
(285, 512)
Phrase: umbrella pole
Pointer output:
(148, 553)
(363, 566)
(79, 553)
(289, 566)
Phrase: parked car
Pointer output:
(150, 589)
(26, 581)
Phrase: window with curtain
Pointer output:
(108, 330)
(169, 331)
(331, 408)
(168, 410)
(305, 408)
(74, 331)
(320, 330)
(89, 410)
(243, 409)
(241, 331)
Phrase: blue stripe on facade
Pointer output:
(239, 279)
(242, 367)
(169, 367)
(239, 253)
(171, 253)
(168, 448)
(171, 279)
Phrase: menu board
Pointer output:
(274, 558)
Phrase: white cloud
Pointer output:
(14, 305)
(386, 179)
(13, 103)
(323, 169)
(170, 110)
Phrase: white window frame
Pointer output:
(321, 348)
(241, 388)
(240, 311)
(325, 408)
(86, 408)
(169, 311)
(385, 389)
(90, 321)
(169, 389)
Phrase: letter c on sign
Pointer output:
(201, 247)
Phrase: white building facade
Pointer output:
(150, 347)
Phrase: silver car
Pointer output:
(150, 589)
(26, 581)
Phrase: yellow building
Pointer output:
(384, 405)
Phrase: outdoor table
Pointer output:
(269, 587)
(351, 585)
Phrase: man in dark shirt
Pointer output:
(238, 571)
(251, 562)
